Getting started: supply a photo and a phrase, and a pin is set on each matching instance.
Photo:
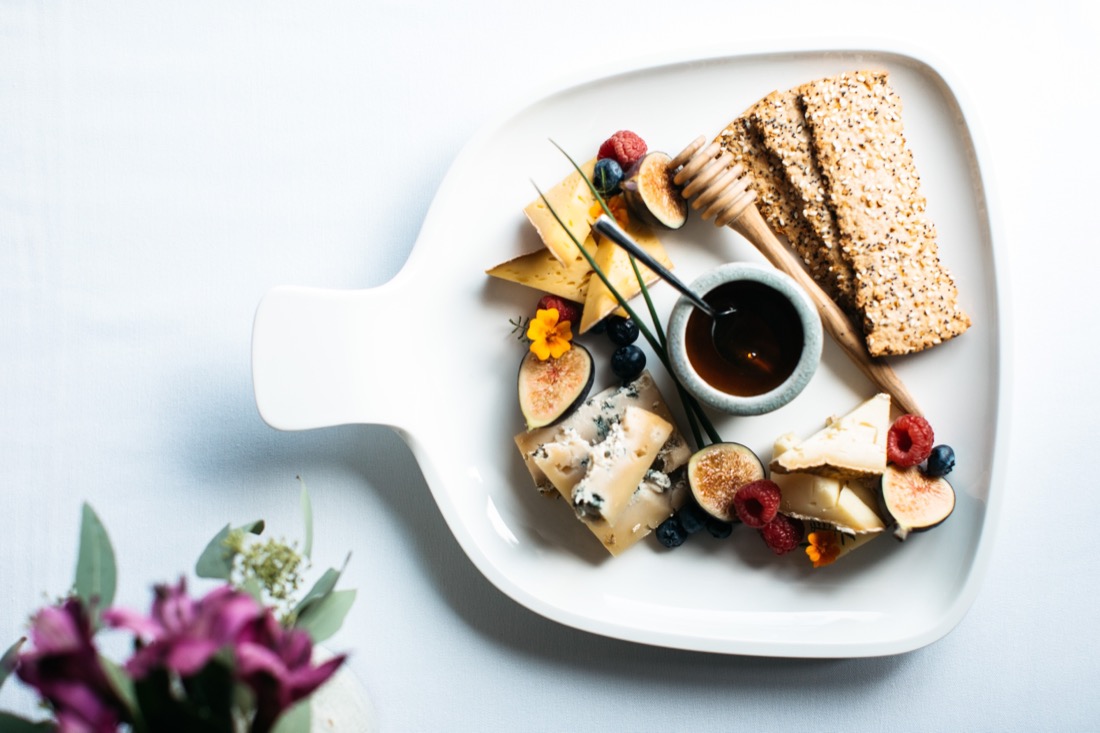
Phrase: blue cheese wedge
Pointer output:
(572, 200)
(852, 446)
(600, 478)
(614, 460)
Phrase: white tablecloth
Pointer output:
(164, 165)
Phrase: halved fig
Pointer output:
(914, 500)
(549, 390)
(716, 472)
(650, 192)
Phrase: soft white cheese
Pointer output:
(848, 447)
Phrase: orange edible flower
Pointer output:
(618, 207)
(549, 337)
(823, 549)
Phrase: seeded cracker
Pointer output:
(907, 298)
(778, 119)
(775, 199)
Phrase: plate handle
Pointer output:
(323, 357)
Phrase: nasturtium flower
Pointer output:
(823, 549)
(549, 337)
(618, 207)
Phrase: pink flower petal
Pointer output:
(54, 630)
(188, 656)
(142, 626)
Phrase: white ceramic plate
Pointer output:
(318, 361)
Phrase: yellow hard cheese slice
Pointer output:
(572, 200)
(614, 261)
(851, 446)
(540, 270)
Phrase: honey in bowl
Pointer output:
(755, 349)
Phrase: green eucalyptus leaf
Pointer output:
(7, 662)
(216, 560)
(297, 719)
(14, 724)
(320, 589)
(96, 574)
(324, 618)
(307, 517)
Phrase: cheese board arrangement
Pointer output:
(793, 530)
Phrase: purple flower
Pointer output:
(182, 634)
(64, 667)
(276, 663)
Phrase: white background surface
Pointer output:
(163, 167)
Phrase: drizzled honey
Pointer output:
(761, 343)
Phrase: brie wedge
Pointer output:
(852, 446)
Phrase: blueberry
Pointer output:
(719, 529)
(671, 533)
(941, 461)
(622, 331)
(627, 362)
(692, 517)
(607, 175)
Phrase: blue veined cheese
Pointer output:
(592, 421)
(600, 478)
(584, 459)
(851, 446)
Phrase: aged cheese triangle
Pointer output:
(542, 271)
(572, 200)
(851, 446)
(614, 262)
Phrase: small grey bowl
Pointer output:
(756, 404)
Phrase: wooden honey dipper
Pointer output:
(723, 192)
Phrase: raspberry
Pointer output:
(624, 147)
(909, 441)
(782, 534)
(567, 309)
(757, 502)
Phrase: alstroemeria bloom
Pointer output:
(277, 664)
(182, 634)
(63, 665)
(549, 336)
